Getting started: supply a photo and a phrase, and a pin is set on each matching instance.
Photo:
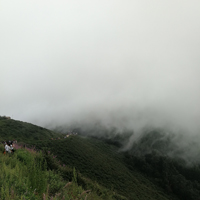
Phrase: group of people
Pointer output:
(9, 147)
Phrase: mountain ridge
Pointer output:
(149, 176)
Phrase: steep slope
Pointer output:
(145, 172)
(26, 175)
(104, 164)
(22, 132)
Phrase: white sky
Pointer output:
(121, 62)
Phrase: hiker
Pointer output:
(12, 147)
(7, 148)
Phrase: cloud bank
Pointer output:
(124, 64)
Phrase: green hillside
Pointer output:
(22, 132)
(144, 172)
(104, 164)
(26, 175)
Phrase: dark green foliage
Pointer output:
(145, 172)
(70, 174)
(175, 178)
(24, 175)
(55, 182)
(24, 157)
(11, 129)
(101, 163)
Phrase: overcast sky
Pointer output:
(124, 63)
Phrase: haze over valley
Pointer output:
(99, 65)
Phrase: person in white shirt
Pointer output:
(7, 148)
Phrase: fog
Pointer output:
(128, 65)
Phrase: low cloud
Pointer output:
(127, 65)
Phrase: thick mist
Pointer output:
(128, 65)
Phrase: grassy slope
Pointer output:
(24, 175)
(93, 158)
(22, 132)
(104, 164)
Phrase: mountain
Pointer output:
(22, 131)
(140, 173)
(103, 163)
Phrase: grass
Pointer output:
(103, 164)
(87, 168)
(27, 175)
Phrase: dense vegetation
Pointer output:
(24, 175)
(103, 164)
(144, 172)
(175, 174)
(28, 174)
(22, 132)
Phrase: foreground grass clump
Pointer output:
(24, 175)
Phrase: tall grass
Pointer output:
(24, 175)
